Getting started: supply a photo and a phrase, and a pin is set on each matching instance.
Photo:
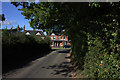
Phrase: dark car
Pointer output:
(66, 46)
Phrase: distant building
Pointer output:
(32, 32)
(58, 41)
(13, 31)
(27, 32)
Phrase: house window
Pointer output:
(64, 37)
(54, 37)
(42, 37)
(51, 38)
(61, 37)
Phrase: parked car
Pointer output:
(66, 46)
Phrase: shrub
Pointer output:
(19, 48)
(102, 59)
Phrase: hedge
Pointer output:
(20, 48)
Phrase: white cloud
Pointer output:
(6, 22)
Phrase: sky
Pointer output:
(13, 17)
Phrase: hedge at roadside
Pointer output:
(19, 48)
(96, 47)
(96, 50)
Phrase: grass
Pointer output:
(57, 48)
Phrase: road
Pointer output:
(53, 65)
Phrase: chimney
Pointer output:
(6, 27)
(11, 28)
(18, 28)
(24, 28)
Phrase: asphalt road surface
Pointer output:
(53, 65)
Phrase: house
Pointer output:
(31, 32)
(13, 31)
(58, 41)
(27, 32)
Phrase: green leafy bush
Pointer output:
(19, 48)
(97, 51)
(103, 57)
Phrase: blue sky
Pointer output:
(13, 17)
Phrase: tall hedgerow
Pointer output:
(19, 48)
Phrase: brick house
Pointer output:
(58, 41)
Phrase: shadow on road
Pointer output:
(10, 66)
(64, 69)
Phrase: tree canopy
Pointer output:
(2, 17)
(49, 15)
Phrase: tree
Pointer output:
(2, 17)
